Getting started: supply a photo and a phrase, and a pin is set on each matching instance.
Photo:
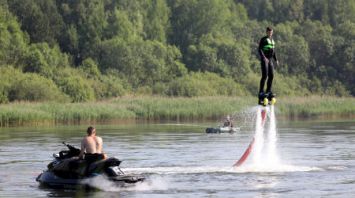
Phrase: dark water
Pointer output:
(316, 159)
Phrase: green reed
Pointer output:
(166, 108)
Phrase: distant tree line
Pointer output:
(86, 50)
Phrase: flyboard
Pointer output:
(264, 100)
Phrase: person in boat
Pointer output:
(267, 53)
(91, 147)
(228, 122)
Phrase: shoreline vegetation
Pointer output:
(155, 108)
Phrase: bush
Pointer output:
(289, 86)
(160, 88)
(144, 90)
(32, 87)
(108, 86)
(77, 88)
(205, 84)
(44, 60)
(90, 68)
(16, 86)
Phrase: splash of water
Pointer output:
(104, 184)
(161, 171)
(265, 155)
(259, 138)
(271, 150)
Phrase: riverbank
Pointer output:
(165, 108)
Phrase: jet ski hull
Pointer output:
(68, 171)
(49, 179)
(222, 130)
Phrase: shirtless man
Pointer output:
(91, 146)
(228, 122)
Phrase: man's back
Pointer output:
(92, 144)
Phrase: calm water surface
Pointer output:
(180, 160)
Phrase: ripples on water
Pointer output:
(180, 160)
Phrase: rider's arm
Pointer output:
(100, 150)
(99, 144)
(261, 53)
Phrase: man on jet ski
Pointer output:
(228, 122)
(91, 146)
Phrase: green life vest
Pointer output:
(270, 45)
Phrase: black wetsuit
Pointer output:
(266, 52)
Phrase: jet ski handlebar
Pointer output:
(73, 151)
(70, 147)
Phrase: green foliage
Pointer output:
(102, 49)
(290, 85)
(39, 18)
(90, 68)
(193, 19)
(344, 55)
(13, 42)
(31, 87)
(17, 86)
(145, 62)
(320, 40)
(205, 84)
(77, 88)
(108, 86)
(86, 22)
(44, 60)
(226, 57)
(156, 22)
(120, 26)
(278, 11)
(294, 50)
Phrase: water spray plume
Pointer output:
(262, 154)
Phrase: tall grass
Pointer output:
(317, 106)
(165, 108)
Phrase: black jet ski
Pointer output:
(68, 171)
(226, 129)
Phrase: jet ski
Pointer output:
(221, 129)
(68, 171)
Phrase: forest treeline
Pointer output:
(87, 50)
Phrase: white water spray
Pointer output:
(259, 139)
(271, 151)
(264, 154)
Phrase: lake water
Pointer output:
(315, 159)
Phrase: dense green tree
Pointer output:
(13, 42)
(119, 26)
(157, 20)
(43, 59)
(142, 62)
(192, 19)
(293, 50)
(39, 18)
(227, 57)
(85, 24)
(86, 50)
(344, 56)
(321, 45)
